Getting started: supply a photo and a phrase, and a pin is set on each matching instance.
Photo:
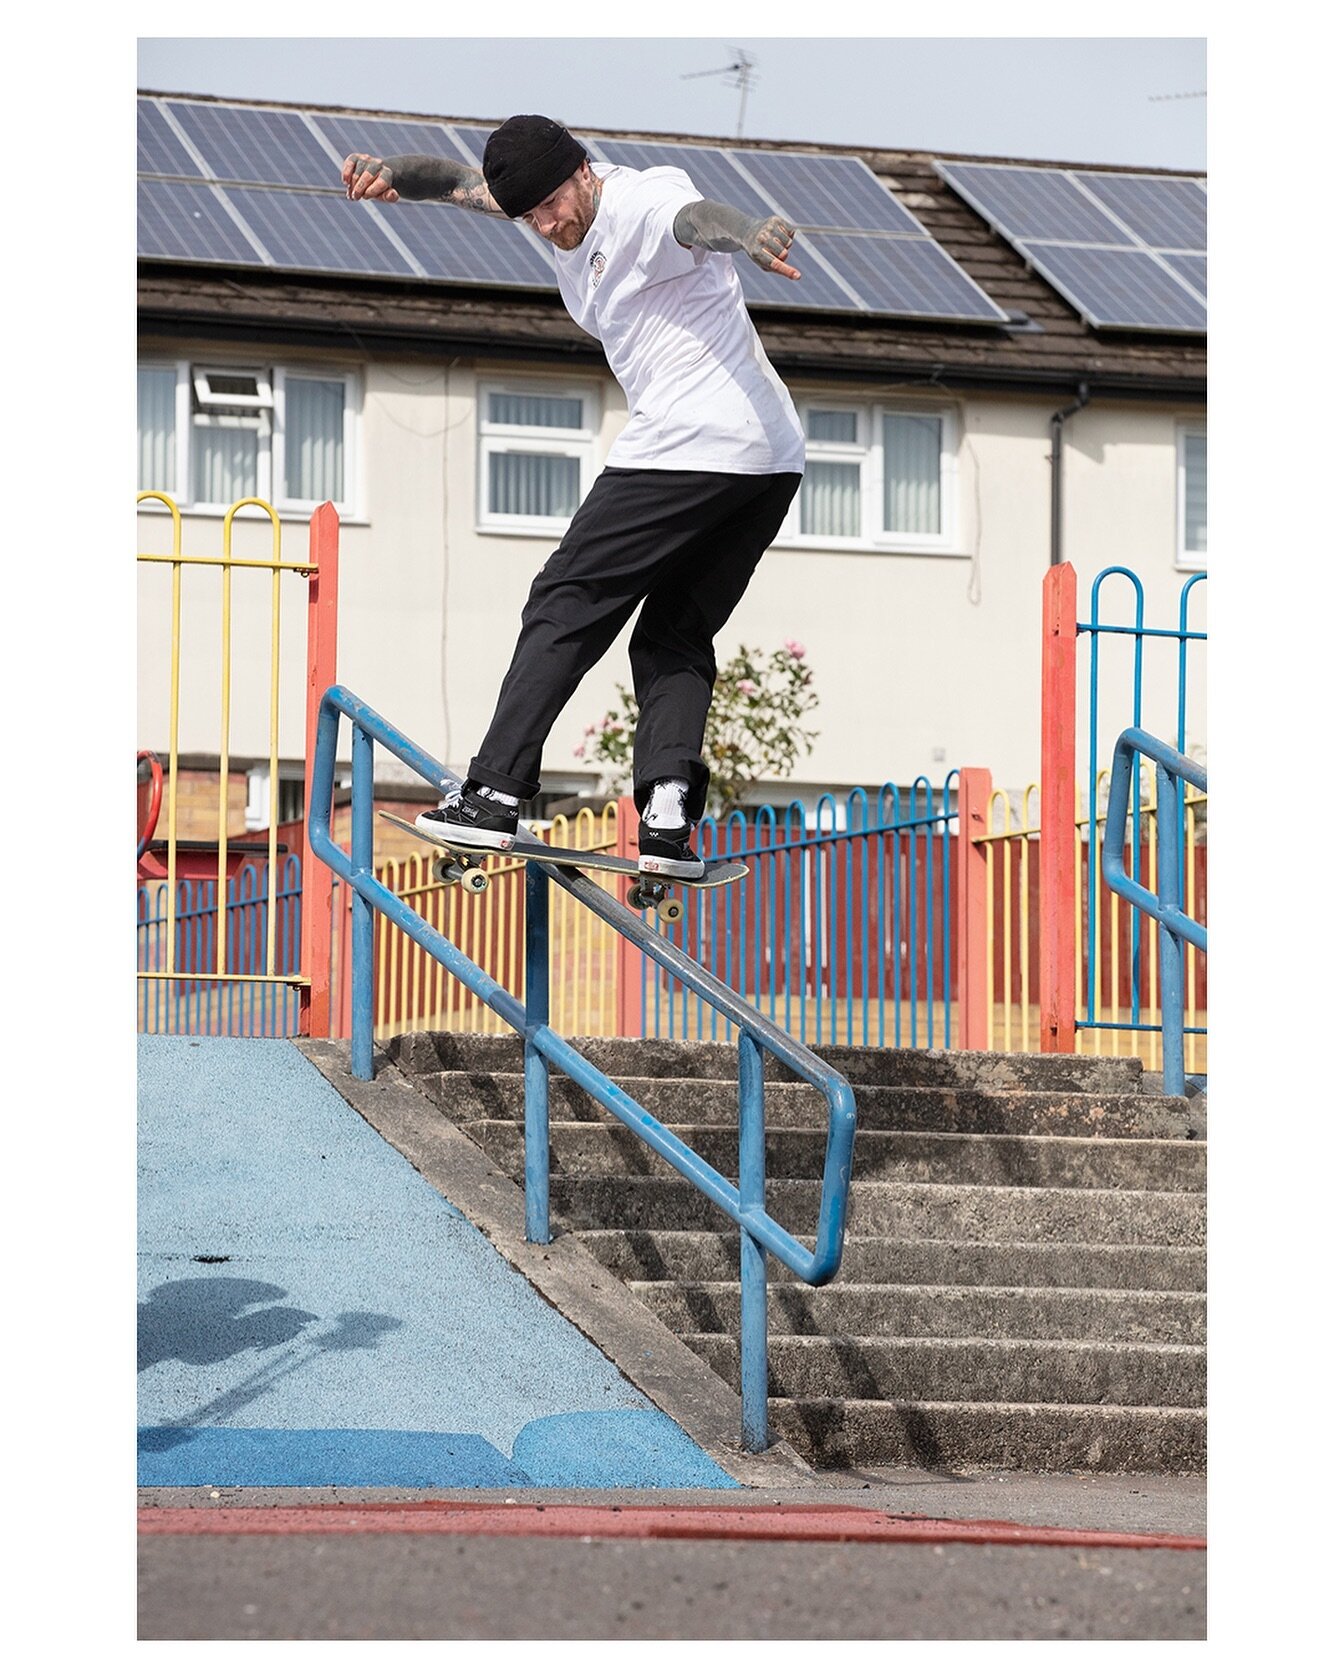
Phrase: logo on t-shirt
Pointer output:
(598, 264)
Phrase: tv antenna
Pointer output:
(743, 71)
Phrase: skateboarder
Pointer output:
(694, 489)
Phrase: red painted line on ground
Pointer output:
(549, 1521)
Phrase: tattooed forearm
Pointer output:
(422, 179)
(443, 180)
(717, 226)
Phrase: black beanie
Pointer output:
(526, 158)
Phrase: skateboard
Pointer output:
(461, 863)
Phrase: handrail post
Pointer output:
(323, 553)
(1169, 811)
(751, 1190)
(536, 1084)
(361, 930)
(1059, 705)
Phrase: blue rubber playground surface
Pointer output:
(312, 1313)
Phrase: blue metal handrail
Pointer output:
(744, 1203)
(1174, 924)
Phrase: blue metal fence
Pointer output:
(1134, 635)
(198, 1002)
(842, 933)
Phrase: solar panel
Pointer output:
(183, 222)
(314, 232)
(1127, 250)
(269, 147)
(1193, 269)
(1121, 288)
(473, 138)
(905, 276)
(1164, 213)
(280, 173)
(158, 148)
(387, 139)
(1033, 203)
(833, 192)
(816, 288)
(710, 170)
(471, 248)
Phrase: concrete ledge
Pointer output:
(575, 1283)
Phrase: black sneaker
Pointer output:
(666, 851)
(476, 821)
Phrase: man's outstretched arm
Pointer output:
(716, 226)
(419, 179)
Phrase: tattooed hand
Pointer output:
(767, 243)
(717, 226)
(368, 177)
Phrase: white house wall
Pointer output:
(922, 663)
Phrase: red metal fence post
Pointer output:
(973, 996)
(1059, 803)
(323, 554)
(629, 959)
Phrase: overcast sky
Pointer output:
(1132, 100)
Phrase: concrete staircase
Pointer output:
(1023, 1278)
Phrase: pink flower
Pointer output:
(795, 649)
(588, 731)
(580, 751)
(748, 688)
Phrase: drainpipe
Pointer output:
(1057, 472)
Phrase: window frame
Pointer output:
(492, 438)
(1186, 559)
(264, 414)
(867, 452)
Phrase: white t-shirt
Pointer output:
(701, 393)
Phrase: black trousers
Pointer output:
(686, 544)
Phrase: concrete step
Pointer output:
(496, 1094)
(606, 1148)
(712, 1257)
(976, 1370)
(850, 1309)
(953, 1213)
(420, 1053)
(959, 1435)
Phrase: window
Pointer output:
(1192, 497)
(537, 455)
(877, 477)
(213, 435)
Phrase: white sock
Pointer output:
(494, 795)
(667, 804)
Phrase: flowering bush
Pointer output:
(754, 729)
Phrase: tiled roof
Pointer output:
(1056, 350)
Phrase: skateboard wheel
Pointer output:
(475, 881)
(638, 897)
(445, 871)
(671, 911)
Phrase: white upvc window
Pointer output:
(1192, 497)
(878, 477)
(537, 455)
(214, 433)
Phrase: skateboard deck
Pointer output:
(462, 864)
